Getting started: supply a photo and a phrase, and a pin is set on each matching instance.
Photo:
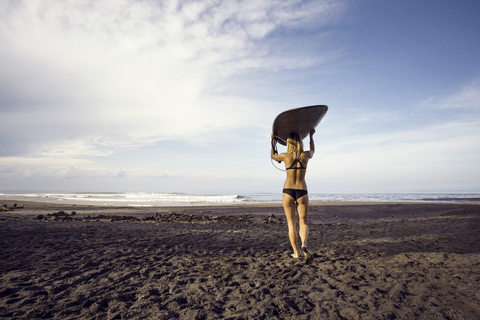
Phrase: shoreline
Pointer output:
(459, 201)
(320, 211)
(268, 199)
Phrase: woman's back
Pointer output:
(296, 171)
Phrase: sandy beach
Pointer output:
(371, 261)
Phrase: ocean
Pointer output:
(186, 199)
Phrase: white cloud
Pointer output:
(467, 98)
(142, 69)
(83, 81)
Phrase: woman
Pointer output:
(295, 195)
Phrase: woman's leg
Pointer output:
(302, 209)
(289, 207)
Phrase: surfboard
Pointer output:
(299, 120)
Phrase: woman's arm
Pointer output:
(276, 157)
(312, 144)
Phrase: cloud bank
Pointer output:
(141, 70)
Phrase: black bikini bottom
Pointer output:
(295, 193)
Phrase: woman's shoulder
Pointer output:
(307, 155)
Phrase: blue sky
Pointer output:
(180, 96)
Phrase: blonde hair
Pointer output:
(295, 145)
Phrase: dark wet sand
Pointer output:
(371, 261)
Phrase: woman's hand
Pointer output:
(311, 133)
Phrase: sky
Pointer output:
(180, 96)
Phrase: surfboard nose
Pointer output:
(300, 120)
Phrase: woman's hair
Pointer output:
(295, 145)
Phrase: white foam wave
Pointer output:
(182, 199)
(131, 199)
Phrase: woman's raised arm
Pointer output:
(276, 157)
(312, 144)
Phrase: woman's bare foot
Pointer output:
(295, 255)
(308, 255)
